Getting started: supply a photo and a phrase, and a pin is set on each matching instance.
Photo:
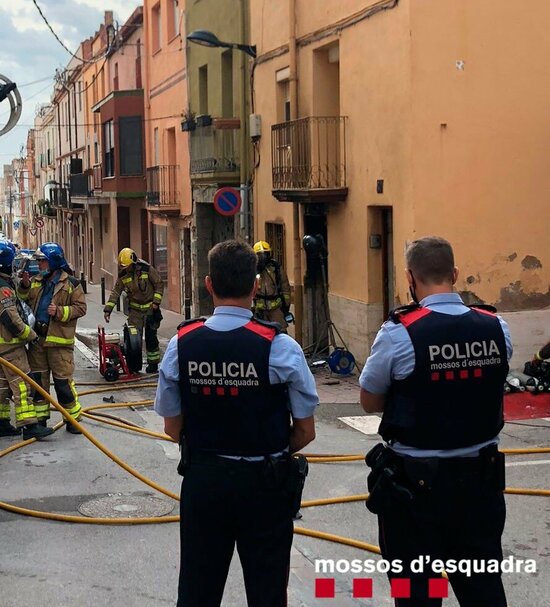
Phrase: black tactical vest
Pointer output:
(454, 396)
(229, 407)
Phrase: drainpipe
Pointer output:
(244, 227)
(297, 251)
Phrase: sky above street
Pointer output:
(30, 53)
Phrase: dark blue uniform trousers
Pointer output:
(234, 503)
(457, 514)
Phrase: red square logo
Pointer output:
(449, 374)
(206, 391)
(220, 391)
(401, 588)
(234, 391)
(463, 373)
(435, 376)
(324, 588)
(478, 372)
(438, 588)
(362, 588)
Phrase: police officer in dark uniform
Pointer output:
(238, 395)
(436, 371)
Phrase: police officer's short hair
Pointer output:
(430, 260)
(232, 268)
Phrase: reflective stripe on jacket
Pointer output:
(14, 331)
(70, 301)
(142, 284)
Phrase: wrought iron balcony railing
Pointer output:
(309, 154)
(162, 186)
(214, 148)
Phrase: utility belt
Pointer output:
(41, 328)
(400, 479)
(286, 472)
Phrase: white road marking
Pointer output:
(532, 462)
(367, 424)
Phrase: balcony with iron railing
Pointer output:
(162, 188)
(214, 151)
(309, 159)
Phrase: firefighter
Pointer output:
(436, 371)
(272, 300)
(57, 301)
(144, 288)
(228, 391)
(14, 334)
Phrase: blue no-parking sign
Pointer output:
(227, 201)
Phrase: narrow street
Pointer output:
(136, 565)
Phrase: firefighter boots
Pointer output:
(36, 431)
(152, 368)
(72, 429)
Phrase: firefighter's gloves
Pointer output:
(106, 316)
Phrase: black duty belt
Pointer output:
(227, 459)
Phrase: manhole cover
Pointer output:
(126, 506)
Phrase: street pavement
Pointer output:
(46, 562)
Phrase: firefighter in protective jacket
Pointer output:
(272, 300)
(57, 301)
(144, 287)
(15, 332)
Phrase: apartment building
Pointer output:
(384, 121)
(168, 191)
(217, 122)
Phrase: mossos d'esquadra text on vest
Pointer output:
(222, 373)
(465, 354)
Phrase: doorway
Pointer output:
(315, 312)
(380, 260)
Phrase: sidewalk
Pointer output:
(334, 389)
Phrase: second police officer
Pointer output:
(14, 334)
(144, 287)
(57, 301)
(436, 370)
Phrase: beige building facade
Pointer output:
(386, 121)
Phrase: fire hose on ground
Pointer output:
(91, 413)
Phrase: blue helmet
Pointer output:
(53, 253)
(7, 253)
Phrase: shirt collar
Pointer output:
(439, 298)
(234, 311)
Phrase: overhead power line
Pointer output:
(93, 60)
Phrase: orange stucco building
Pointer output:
(168, 187)
(389, 120)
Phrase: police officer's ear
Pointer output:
(455, 275)
(208, 284)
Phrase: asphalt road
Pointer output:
(82, 565)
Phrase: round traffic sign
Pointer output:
(39, 223)
(227, 201)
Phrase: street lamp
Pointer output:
(206, 38)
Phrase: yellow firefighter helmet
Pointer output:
(262, 247)
(127, 257)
